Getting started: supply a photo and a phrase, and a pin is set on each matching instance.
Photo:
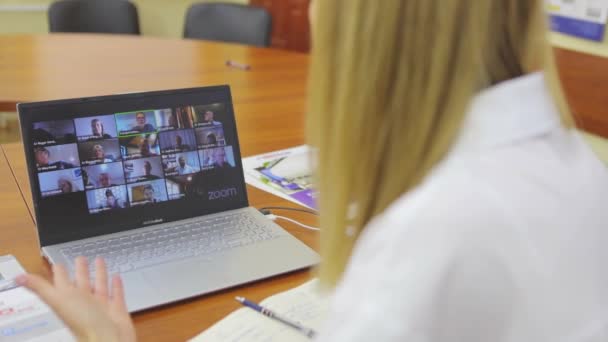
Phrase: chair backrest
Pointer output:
(229, 23)
(93, 16)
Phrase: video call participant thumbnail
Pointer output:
(135, 122)
(185, 186)
(113, 198)
(60, 182)
(99, 151)
(95, 128)
(103, 175)
(177, 118)
(177, 141)
(53, 132)
(209, 115)
(146, 169)
(147, 192)
(139, 146)
(180, 118)
(212, 136)
(217, 158)
(58, 157)
(181, 163)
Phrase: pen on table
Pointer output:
(306, 331)
(8, 285)
(237, 65)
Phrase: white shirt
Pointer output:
(506, 240)
(185, 170)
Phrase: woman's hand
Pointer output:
(91, 311)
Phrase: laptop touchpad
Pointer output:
(183, 279)
(138, 292)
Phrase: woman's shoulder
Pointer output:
(403, 259)
(431, 225)
(447, 204)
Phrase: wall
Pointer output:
(27, 20)
(163, 18)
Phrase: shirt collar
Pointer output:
(509, 112)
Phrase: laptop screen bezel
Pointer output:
(32, 112)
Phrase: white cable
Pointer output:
(274, 217)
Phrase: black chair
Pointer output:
(93, 16)
(229, 23)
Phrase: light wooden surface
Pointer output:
(16, 224)
(57, 66)
(269, 103)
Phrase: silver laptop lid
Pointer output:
(107, 164)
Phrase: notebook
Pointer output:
(304, 304)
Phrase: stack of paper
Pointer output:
(285, 173)
(23, 316)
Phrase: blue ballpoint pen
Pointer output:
(8, 285)
(306, 331)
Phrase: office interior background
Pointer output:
(157, 18)
(268, 90)
(165, 19)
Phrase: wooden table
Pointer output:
(70, 65)
(269, 104)
(56, 66)
(16, 224)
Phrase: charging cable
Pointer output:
(266, 210)
(273, 217)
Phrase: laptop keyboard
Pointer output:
(153, 247)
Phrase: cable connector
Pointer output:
(265, 211)
(274, 217)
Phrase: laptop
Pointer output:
(153, 183)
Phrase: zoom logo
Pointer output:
(224, 193)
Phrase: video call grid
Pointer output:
(124, 151)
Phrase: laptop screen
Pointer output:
(114, 163)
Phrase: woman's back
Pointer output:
(504, 241)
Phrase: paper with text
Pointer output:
(23, 316)
(285, 173)
(304, 304)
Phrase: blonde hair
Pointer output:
(389, 86)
